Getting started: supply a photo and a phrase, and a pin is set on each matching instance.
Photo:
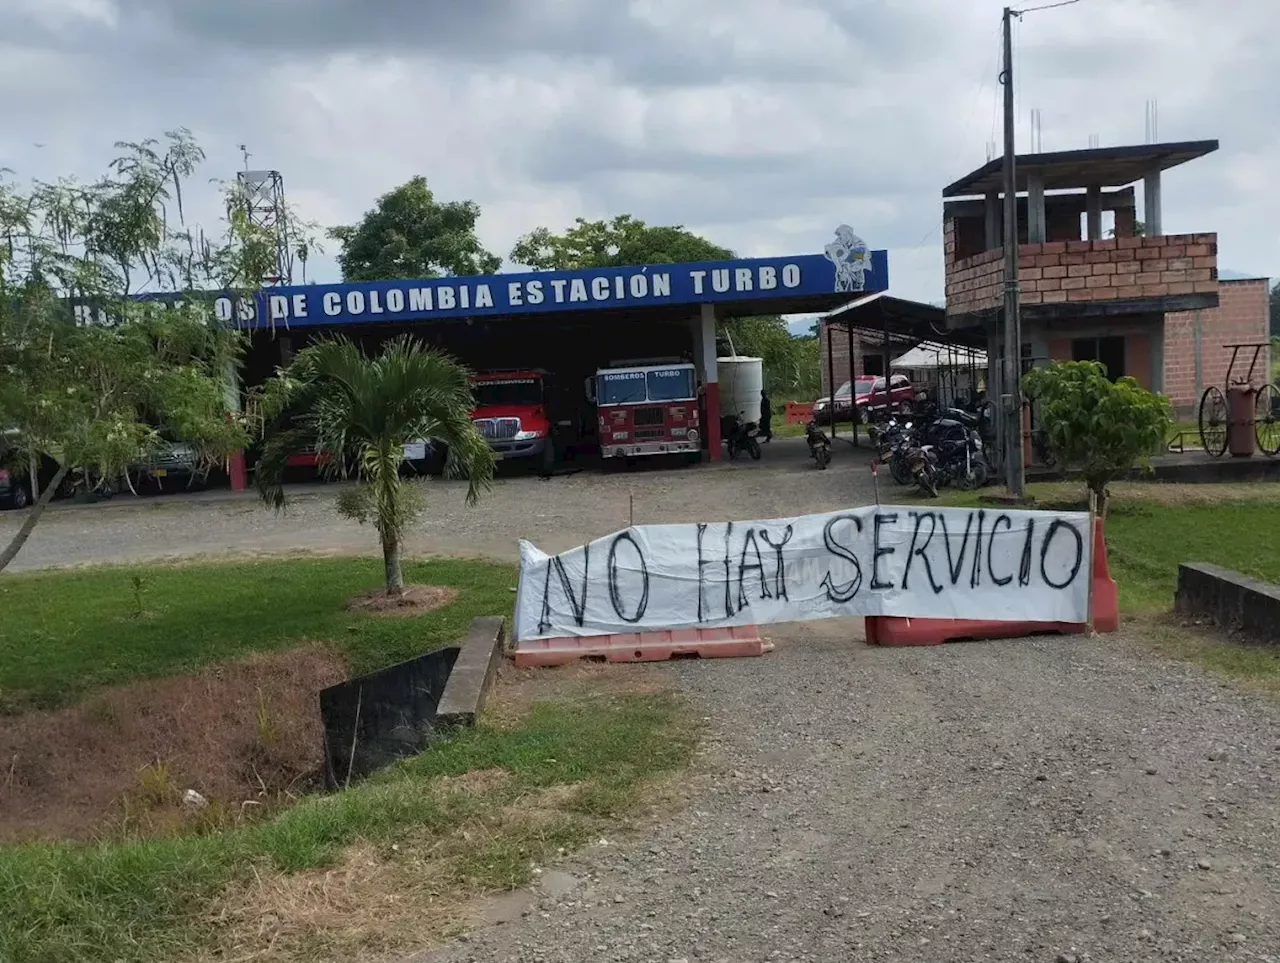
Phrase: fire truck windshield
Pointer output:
(497, 392)
(638, 387)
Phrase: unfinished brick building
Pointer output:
(1139, 302)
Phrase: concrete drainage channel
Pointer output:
(375, 719)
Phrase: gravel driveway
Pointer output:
(557, 514)
(1044, 800)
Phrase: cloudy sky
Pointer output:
(759, 123)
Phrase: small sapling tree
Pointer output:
(1102, 427)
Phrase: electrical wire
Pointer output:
(982, 88)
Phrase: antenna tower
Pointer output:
(261, 195)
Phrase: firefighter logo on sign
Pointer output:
(851, 257)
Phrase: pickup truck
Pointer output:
(854, 400)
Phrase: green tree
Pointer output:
(361, 411)
(411, 234)
(1275, 310)
(623, 241)
(89, 393)
(1100, 426)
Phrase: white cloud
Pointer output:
(760, 124)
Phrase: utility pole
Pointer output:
(1015, 477)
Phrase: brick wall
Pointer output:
(1240, 317)
(1069, 271)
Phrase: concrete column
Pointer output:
(710, 377)
(1151, 203)
(994, 238)
(1035, 210)
(1093, 213)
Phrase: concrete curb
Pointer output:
(473, 673)
(1235, 602)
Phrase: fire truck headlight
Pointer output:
(529, 435)
(692, 435)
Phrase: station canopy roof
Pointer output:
(801, 284)
(1078, 169)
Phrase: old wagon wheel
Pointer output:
(1213, 421)
(1266, 419)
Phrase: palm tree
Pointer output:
(359, 412)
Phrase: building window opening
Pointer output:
(1108, 351)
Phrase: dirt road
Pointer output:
(558, 513)
(1036, 800)
(1045, 800)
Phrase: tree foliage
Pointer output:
(360, 411)
(1100, 426)
(1275, 310)
(92, 394)
(790, 366)
(411, 234)
(623, 241)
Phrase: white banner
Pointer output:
(918, 562)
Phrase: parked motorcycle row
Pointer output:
(932, 448)
(938, 447)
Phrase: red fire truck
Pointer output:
(647, 409)
(511, 414)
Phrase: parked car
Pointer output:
(870, 396)
(172, 464)
(866, 394)
(13, 491)
(825, 411)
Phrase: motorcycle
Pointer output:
(740, 436)
(922, 463)
(891, 440)
(819, 444)
(960, 452)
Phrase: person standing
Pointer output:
(766, 417)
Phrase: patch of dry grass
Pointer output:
(394, 864)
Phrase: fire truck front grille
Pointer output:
(498, 429)
(648, 417)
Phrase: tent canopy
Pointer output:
(930, 356)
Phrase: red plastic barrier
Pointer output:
(799, 412)
(895, 631)
(730, 643)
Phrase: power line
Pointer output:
(982, 88)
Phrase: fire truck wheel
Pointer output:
(547, 461)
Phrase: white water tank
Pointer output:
(741, 381)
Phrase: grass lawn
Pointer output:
(1152, 528)
(384, 865)
(783, 430)
(65, 633)
(402, 850)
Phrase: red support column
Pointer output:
(239, 473)
(712, 396)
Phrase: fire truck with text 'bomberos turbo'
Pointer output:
(647, 409)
